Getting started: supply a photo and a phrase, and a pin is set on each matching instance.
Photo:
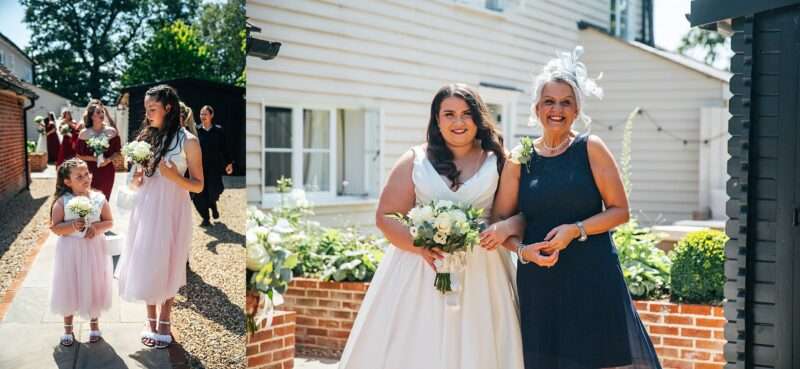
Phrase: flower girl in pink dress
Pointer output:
(83, 269)
(152, 266)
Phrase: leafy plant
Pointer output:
(349, 256)
(645, 267)
(698, 267)
(30, 146)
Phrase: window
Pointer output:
(3, 58)
(620, 18)
(329, 153)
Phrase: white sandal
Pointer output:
(68, 340)
(148, 336)
(162, 340)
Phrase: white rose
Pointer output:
(516, 154)
(414, 215)
(283, 226)
(440, 238)
(426, 214)
(458, 216)
(414, 231)
(444, 222)
(257, 256)
(274, 238)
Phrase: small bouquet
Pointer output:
(521, 154)
(98, 144)
(138, 152)
(453, 228)
(80, 205)
(65, 129)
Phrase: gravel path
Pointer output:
(208, 316)
(24, 219)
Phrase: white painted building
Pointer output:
(13, 58)
(350, 90)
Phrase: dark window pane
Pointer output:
(278, 164)
(278, 128)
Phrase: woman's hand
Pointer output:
(534, 253)
(229, 169)
(90, 232)
(168, 170)
(560, 237)
(495, 235)
(106, 161)
(138, 177)
(430, 255)
(78, 224)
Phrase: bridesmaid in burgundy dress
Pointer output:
(67, 149)
(52, 138)
(94, 119)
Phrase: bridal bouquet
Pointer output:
(138, 152)
(98, 144)
(80, 205)
(453, 228)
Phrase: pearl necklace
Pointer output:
(549, 151)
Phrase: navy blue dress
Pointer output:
(577, 314)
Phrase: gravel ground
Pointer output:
(22, 227)
(208, 316)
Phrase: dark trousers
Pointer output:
(203, 204)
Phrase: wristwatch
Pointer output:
(583, 236)
(520, 247)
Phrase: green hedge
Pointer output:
(645, 267)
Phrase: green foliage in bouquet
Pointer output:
(645, 267)
(30, 146)
(698, 267)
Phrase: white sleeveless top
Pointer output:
(478, 190)
(97, 199)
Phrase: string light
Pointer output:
(678, 138)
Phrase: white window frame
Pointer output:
(298, 150)
(323, 198)
(618, 16)
(508, 100)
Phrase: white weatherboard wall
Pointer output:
(666, 174)
(391, 56)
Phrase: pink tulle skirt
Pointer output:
(82, 277)
(152, 266)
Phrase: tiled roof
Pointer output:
(9, 82)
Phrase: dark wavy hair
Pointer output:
(490, 137)
(160, 138)
(62, 174)
(93, 106)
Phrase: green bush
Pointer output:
(337, 255)
(698, 267)
(646, 268)
(30, 146)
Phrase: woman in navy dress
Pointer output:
(575, 309)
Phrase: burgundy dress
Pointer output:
(103, 177)
(67, 149)
(52, 142)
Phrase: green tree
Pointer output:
(175, 51)
(222, 26)
(711, 42)
(79, 45)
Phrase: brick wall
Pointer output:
(325, 313)
(685, 336)
(273, 347)
(12, 146)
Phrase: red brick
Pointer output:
(720, 335)
(272, 345)
(696, 309)
(641, 305)
(317, 293)
(251, 350)
(650, 317)
(339, 334)
(664, 352)
(677, 342)
(262, 335)
(289, 364)
(355, 286)
(708, 366)
(295, 292)
(328, 323)
(342, 314)
(716, 323)
(663, 307)
(664, 330)
(695, 355)
(289, 341)
(284, 330)
(714, 345)
(302, 320)
(679, 319)
(341, 295)
(352, 306)
(330, 285)
(317, 332)
(677, 364)
(282, 354)
(258, 360)
(329, 304)
(692, 332)
(305, 283)
(718, 311)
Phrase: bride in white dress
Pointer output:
(404, 322)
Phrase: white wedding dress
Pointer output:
(405, 323)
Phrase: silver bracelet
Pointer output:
(583, 236)
(520, 247)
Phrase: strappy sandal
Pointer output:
(94, 335)
(148, 336)
(163, 340)
(68, 339)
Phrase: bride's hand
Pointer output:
(494, 236)
(431, 255)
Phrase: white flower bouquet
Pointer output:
(521, 154)
(138, 152)
(80, 205)
(453, 228)
(98, 144)
(65, 129)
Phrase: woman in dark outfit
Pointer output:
(216, 159)
(575, 309)
(52, 138)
